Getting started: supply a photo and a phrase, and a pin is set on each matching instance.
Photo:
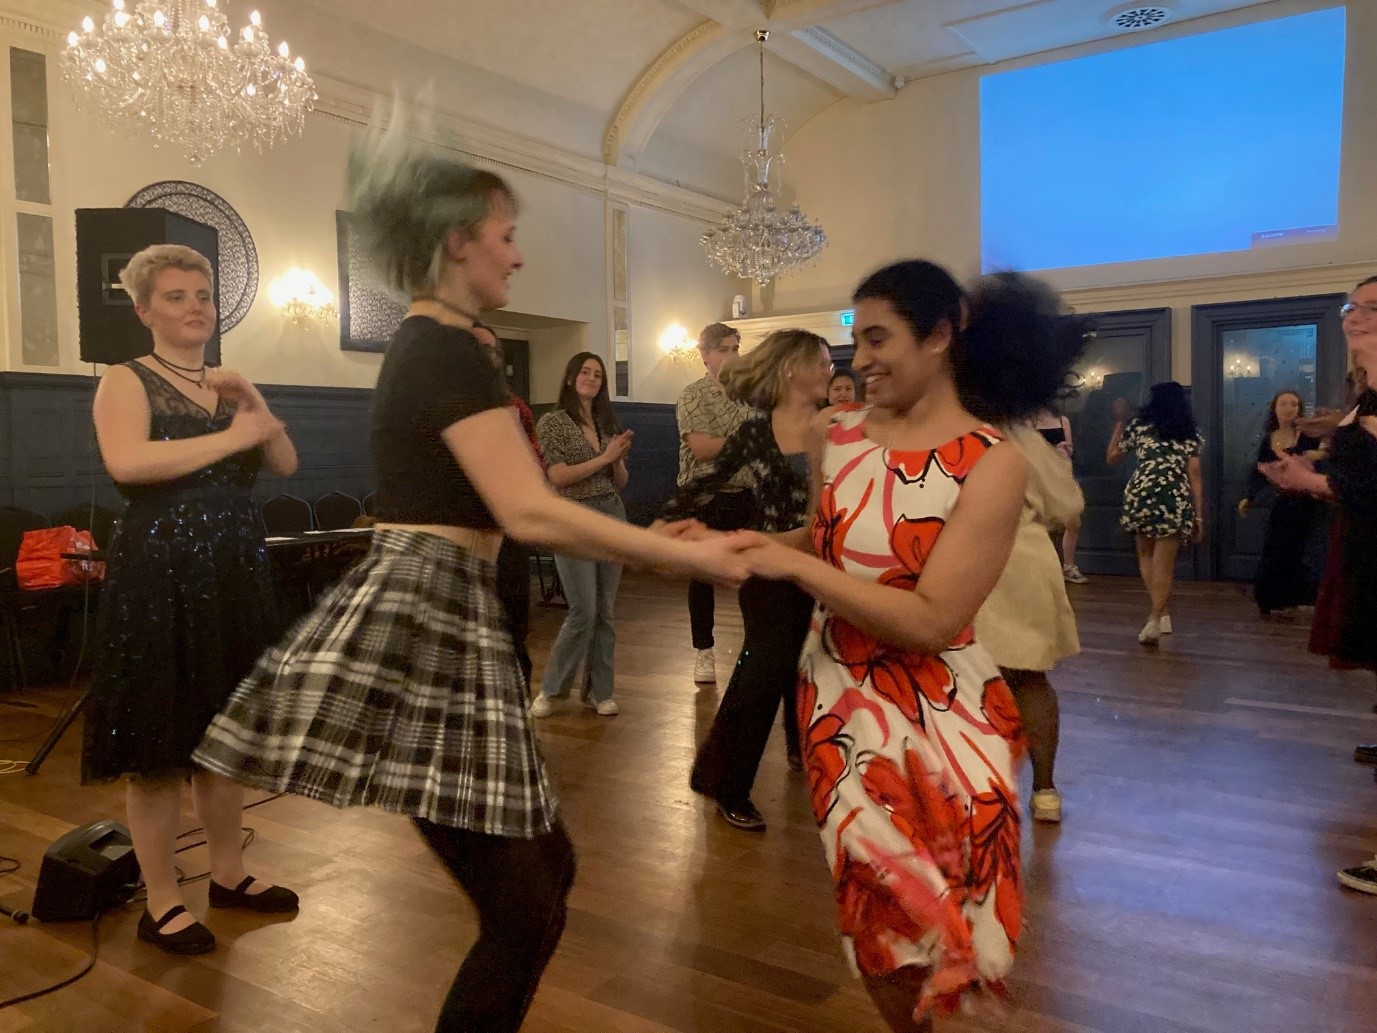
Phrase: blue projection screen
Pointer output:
(1224, 141)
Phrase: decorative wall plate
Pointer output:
(238, 256)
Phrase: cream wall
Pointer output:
(288, 198)
(901, 178)
(694, 295)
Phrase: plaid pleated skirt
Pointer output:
(400, 691)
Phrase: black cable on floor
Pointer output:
(90, 964)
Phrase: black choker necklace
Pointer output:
(452, 308)
(181, 371)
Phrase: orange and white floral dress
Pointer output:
(910, 758)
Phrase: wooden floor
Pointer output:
(1210, 795)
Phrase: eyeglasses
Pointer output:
(1348, 308)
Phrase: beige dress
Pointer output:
(1027, 623)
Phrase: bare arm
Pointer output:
(967, 561)
(620, 474)
(279, 454)
(122, 420)
(1197, 486)
(496, 457)
(801, 538)
(704, 446)
(1115, 454)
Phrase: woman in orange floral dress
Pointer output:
(911, 735)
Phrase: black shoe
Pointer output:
(273, 900)
(794, 759)
(1366, 754)
(194, 939)
(742, 815)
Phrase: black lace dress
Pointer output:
(187, 605)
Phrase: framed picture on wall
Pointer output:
(368, 314)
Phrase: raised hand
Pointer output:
(619, 446)
(254, 426)
(235, 387)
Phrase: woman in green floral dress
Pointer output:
(1163, 504)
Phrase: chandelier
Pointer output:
(758, 241)
(168, 66)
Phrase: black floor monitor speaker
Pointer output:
(86, 871)
(106, 239)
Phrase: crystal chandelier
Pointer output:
(168, 66)
(758, 241)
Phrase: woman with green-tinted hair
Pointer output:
(402, 690)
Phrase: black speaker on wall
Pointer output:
(106, 239)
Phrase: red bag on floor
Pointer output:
(41, 564)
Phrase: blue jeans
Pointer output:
(588, 637)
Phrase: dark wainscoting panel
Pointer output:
(654, 462)
(49, 461)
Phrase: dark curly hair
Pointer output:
(1015, 353)
(1168, 413)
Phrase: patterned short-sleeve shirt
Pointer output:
(704, 408)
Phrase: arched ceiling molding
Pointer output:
(797, 38)
(664, 82)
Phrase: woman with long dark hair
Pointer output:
(910, 734)
(401, 689)
(783, 380)
(1164, 499)
(1282, 582)
(585, 459)
(1345, 628)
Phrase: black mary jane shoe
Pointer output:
(742, 815)
(1366, 754)
(194, 939)
(273, 900)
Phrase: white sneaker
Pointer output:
(1164, 624)
(607, 708)
(1362, 878)
(542, 706)
(1151, 632)
(1072, 574)
(705, 668)
(1046, 805)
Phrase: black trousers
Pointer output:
(775, 615)
(519, 887)
(514, 591)
(729, 511)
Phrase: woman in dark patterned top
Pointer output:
(585, 457)
(785, 377)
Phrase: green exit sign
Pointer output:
(848, 318)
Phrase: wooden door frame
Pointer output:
(1208, 324)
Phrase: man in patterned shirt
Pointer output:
(706, 416)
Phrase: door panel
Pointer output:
(1130, 352)
(1243, 354)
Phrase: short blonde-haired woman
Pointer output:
(187, 605)
(402, 689)
(784, 378)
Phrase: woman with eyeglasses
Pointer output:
(1345, 627)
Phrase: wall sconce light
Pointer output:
(1094, 378)
(301, 297)
(676, 343)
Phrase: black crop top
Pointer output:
(432, 376)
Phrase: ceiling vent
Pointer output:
(1138, 17)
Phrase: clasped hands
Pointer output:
(253, 420)
(747, 553)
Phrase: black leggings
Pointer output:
(775, 615)
(729, 511)
(514, 591)
(519, 888)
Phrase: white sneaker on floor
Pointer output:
(705, 668)
(1072, 574)
(1046, 805)
(542, 706)
(1363, 878)
(1164, 624)
(607, 708)
(1151, 632)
